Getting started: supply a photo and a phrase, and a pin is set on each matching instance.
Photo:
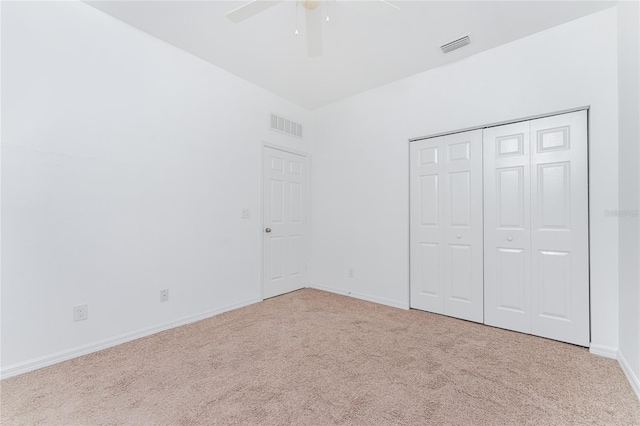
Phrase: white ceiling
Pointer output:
(360, 52)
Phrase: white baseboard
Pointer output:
(633, 379)
(360, 296)
(43, 361)
(610, 352)
(605, 351)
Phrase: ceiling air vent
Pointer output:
(455, 44)
(284, 125)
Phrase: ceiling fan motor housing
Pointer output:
(311, 4)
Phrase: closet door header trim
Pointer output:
(501, 123)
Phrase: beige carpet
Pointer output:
(315, 358)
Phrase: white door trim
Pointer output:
(502, 123)
(284, 149)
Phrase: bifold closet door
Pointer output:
(560, 228)
(507, 219)
(536, 227)
(446, 225)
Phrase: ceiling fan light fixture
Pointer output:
(313, 14)
(311, 4)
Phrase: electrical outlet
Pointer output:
(246, 214)
(164, 295)
(80, 312)
(351, 273)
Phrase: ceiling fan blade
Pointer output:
(248, 10)
(375, 8)
(314, 33)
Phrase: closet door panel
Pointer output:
(427, 278)
(462, 227)
(507, 244)
(559, 228)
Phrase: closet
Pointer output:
(499, 226)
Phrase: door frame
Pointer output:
(307, 206)
(501, 123)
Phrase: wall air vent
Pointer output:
(455, 44)
(286, 126)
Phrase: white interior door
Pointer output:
(427, 275)
(559, 228)
(446, 225)
(536, 227)
(285, 222)
(463, 257)
(507, 237)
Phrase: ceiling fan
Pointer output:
(313, 16)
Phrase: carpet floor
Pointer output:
(316, 358)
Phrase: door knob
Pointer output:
(458, 236)
(509, 238)
(267, 230)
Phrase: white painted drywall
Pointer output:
(360, 176)
(125, 165)
(629, 178)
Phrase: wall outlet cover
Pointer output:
(80, 312)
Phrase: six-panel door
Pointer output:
(427, 277)
(284, 218)
(536, 227)
(559, 228)
(507, 221)
(535, 222)
(446, 225)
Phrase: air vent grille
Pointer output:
(286, 126)
(455, 44)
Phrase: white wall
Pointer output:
(360, 154)
(629, 191)
(125, 165)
